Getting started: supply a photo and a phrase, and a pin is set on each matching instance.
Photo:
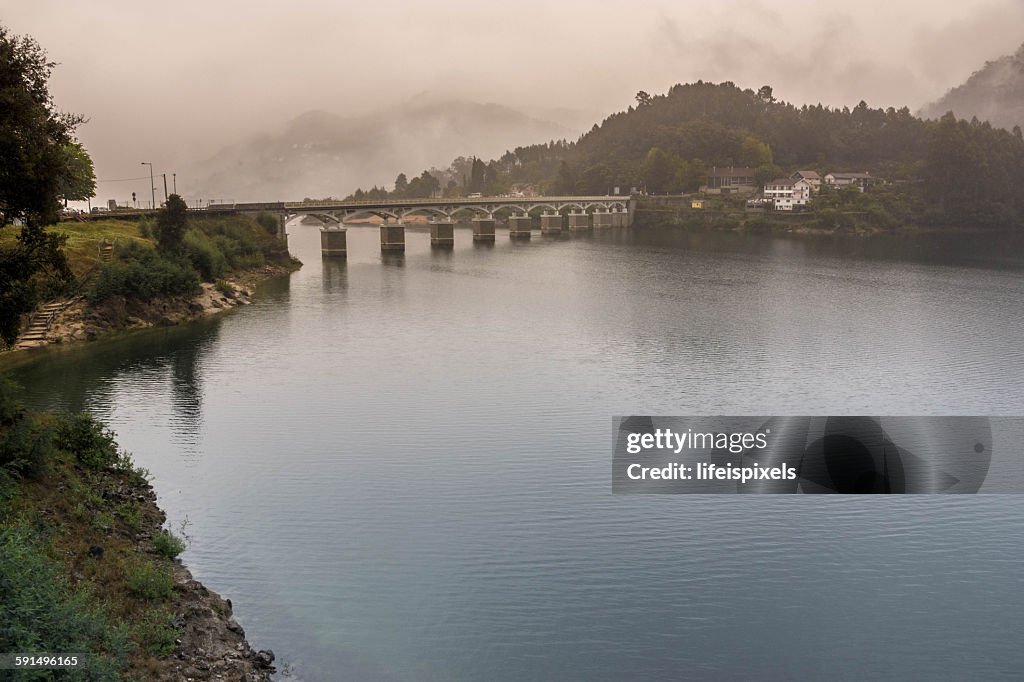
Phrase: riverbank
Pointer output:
(89, 567)
(123, 280)
(81, 321)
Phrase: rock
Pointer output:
(235, 627)
(96, 552)
(265, 658)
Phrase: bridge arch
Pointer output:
(426, 210)
(370, 213)
(322, 217)
(573, 204)
(475, 210)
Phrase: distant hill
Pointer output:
(994, 94)
(947, 172)
(321, 153)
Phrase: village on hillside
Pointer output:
(791, 193)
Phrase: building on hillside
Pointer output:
(785, 194)
(812, 178)
(696, 203)
(730, 180)
(524, 189)
(861, 181)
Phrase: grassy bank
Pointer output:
(76, 573)
(85, 565)
(123, 278)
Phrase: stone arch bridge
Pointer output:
(554, 213)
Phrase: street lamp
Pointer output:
(152, 185)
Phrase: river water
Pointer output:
(399, 469)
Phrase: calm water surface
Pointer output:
(400, 469)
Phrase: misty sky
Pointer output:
(174, 82)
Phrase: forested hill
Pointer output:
(967, 172)
(995, 93)
(942, 171)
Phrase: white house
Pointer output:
(859, 180)
(784, 194)
(812, 178)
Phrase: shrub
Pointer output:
(224, 288)
(140, 272)
(146, 227)
(168, 545)
(149, 580)
(156, 632)
(131, 514)
(91, 443)
(26, 441)
(268, 221)
(206, 256)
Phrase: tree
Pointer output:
(477, 177)
(642, 99)
(37, 167)
(565, 183)
(78, 182)
(401, 185)
(171, 223)
(658, 171)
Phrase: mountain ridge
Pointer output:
(322, 153)
(994, 93)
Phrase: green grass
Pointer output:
(84, 239)
(149, 580)
(168, 545)
(56, 592)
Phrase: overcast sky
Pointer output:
(165, 82)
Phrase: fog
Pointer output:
(176, 84)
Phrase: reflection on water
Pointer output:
(398, 469)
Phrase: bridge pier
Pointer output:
(603, 220)
(442, 234)
(392, 237)
(519, 227)
(483, 229)
(618, 217)
(578, 222)
(333, 242)
(551, 223)
(281, 233)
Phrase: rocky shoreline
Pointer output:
(80, 321)
(210, 644)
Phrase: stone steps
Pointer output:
(38, 328)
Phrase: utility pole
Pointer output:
(152, 185)
(165, 187)
(174, 176)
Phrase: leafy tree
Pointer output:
(429, 185)
(565, 183)
(172, 222)
(38, 164)
(642, 99)
(401, 185)
(477, 176)
(766, 94)
(658, 171)
(78, 181)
